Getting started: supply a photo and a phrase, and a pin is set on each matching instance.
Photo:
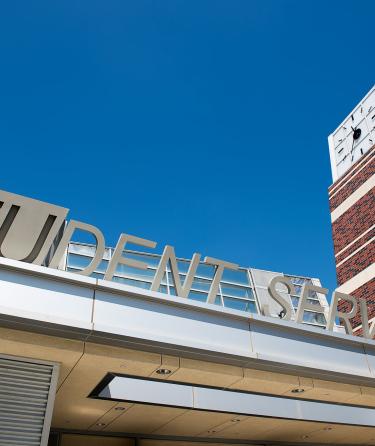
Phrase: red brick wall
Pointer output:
(366, 291)
(356, 263)
(356, 245)
(351, 226)
(356, 220)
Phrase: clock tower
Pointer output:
(352, 203)
(354, 137)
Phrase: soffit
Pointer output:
(80, 374)
(98, 360)
(73, 408)
(266, 429)
(154, 420)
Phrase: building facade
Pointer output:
(352, 204)
(115, 347)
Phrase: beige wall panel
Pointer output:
(207, 373)
(231, 421)
(266, 382)
(123, 360)
(340, 434)
(89, 440)
(291, 430)
(180, 443)
(366, 397)
(248, 428)
(143, 418)
(269, 429)
(114, 412)
(193, 422)
(331, 391)
(73, 409)
(66, 352)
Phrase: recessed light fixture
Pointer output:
(305, 436)
(100, 424)
(119, 408)
(163, 371)
(235, 420)
(327, 429)
(298, 390)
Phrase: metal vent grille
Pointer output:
(24, 395)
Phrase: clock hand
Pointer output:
(356, 135)
(354, 138)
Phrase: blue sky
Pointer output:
(201, 124)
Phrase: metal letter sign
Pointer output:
(36, 232)
(28, 227)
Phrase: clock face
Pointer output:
(354, 137)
